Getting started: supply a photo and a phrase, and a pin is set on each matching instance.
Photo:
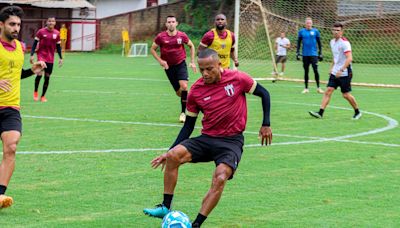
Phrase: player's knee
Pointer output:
(173, 158)
(220, 178)
(10, 150)
(183, 87)
(346, 95)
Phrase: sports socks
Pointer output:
(199, 220)
(37, 81)
(183, 100)
(321, 111)
(45, 85)
(356, 111)
(167, 200)
(3, 189)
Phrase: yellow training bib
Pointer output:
(11, 63)
(223, 48)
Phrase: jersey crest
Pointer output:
(54, 36)
(230, 90)
(312, 33)
(179, 40)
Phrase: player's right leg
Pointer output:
(306, 66)
(175, 157)
(35, 92)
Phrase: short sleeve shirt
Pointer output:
(280, 43)
(223, 103)
(339, 49)
(47, 44)
(172, 47)
(309, 39)
(208, 38)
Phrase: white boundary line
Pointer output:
(392, 123)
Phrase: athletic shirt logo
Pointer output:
(223, 45)
(54, 36)
(312, 33)
(229, 90)
(179, 40)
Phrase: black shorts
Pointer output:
(227, 150)
(176, 73)
(281, 59)
(49, 69)
(10, 120)
(343, 82)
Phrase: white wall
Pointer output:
(106, 8)
(83, 31)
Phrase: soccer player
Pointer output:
(173, 56)
(281, 45)
(222, 41)
(48, 39)
(11, 61)
(310, 37)
(220, 95)
(63, 37)
(340, 72)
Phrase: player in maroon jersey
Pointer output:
(48, 39)
(172, 59)
(220, 95)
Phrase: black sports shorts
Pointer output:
(280, 59)
(227, 150)
(10, 120)
(343, 82)
(49, 69)
(176, 73)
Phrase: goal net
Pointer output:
(138, 50)
(372, 27)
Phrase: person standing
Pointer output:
(172, 59)
(281, 45)
(48, 39)
(222, 41)
(310, 37)
(220, 94)
(11, 73)
(63, 37)
(340, 73)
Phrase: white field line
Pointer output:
(391, 124)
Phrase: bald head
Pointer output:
(209, 65)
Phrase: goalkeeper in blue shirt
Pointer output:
(310, 37)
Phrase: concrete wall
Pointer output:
(142, 24)
(107, 8)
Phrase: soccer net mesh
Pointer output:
(138, 50)
(372, 27)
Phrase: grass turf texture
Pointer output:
(324, 184)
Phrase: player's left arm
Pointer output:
(36, 68)
(349, 59)
(59, 51)
(265, 131)
(318, 38)
(192, 54)
(233, 55)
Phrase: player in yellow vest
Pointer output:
(222, 41)
(11, 61)
(63, 36)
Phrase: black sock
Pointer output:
(321, 111)
(183, 100)
(37, 81)
(167, 200)
(356, 111)
(199, 220)
(45, 85)
(3, 189)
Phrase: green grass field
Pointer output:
(84, 159)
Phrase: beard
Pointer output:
(11, 36)
(220, 27)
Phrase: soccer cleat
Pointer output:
(315, 114)
(35, 96)
(5, 201)
(319, 90)
(43, 99)
(305, 91)
(274, 73)
(182, 117)
(281, 74)
(357, 116)
(159, 211)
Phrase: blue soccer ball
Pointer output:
(176, 219)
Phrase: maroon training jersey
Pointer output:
(223, 104)
(47, 44)
(172, 47)
(208, 38)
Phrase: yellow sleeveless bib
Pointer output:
(223, 48)
(11, 63)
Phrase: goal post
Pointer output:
(138, 50)
(371, 26)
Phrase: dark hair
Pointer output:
(171, 16)
(207, 53)
(338, 24)
(8, 11)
